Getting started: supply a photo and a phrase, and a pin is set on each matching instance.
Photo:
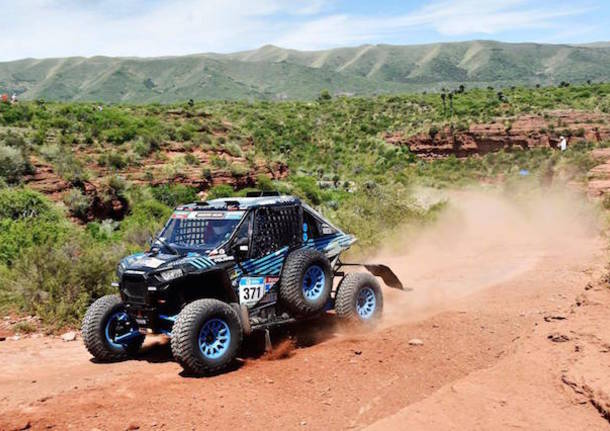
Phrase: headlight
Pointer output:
(171, 274)
(119, 269)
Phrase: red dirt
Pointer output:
(487, 297)
(523, 132)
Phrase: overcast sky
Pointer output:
(58, 28)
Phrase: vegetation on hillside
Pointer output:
(334, 148)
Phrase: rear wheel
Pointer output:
(306, 282)
(108, 331)
(206, 336)
(359, 298)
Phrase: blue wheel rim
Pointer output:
(214, 338)
(110, 329)
(313, 282)
(366, 303)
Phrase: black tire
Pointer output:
(187, 330)
(94, 331)
(348, 292)
(294, 272)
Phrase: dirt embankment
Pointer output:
(524, 132)
(168, 166)
(513, 326)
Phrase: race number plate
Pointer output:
(251, 290)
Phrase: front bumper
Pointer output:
(141, 296)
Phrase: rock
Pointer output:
(15, 338)
(416, 342)
(558, 338)
(69, 336)
(550, 318)
(2, 338)
(132, 427)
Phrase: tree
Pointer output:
(324, 96)
(443, 97)
(451, 104)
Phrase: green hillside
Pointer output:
(275, 73)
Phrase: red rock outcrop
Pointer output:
(524, 132)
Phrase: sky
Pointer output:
(147, 28)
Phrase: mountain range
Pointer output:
(275, 73)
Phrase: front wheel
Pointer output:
(359, 298)
(206, 336)
(108, 331)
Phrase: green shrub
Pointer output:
(113, 160)
(77, 202)
(12, 164)
(233, 149)
(141, 147)
(27, 220)
(59, 282)
(146, 218)
(307, 187)
(220, 191)
(21, 203)
(238, 171)
(191, 159)
(175, 194)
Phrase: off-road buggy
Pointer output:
(223, 268)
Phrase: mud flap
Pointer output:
(387, 275)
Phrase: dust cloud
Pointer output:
(483, 238)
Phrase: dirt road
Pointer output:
(490, 291)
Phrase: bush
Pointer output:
(113, 160)
(141, 147)
(59, 282)
(12, 164)
(27, 220)
(307, 187)
(146, 218)
(220, 191)
(21, 203)
(233, 149)
(175, 194)
(238, 171)
(78, 203)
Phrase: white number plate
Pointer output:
(251, 290)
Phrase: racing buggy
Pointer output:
(224, 268)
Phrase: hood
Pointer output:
(147, 261)
(189, 263)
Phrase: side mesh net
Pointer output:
(277, 227)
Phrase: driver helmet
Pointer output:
(219, 229)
